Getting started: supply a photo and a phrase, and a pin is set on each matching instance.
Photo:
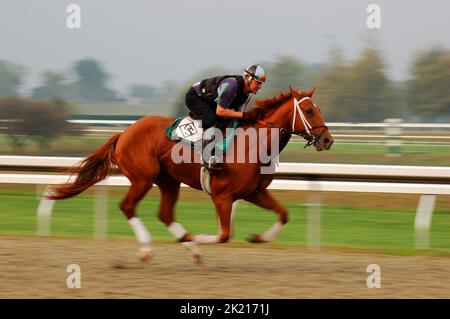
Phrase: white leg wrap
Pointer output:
(142, 234)
(145, 249)
(272, 232)
(177, 230)
(206, 239)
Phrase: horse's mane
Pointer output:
(269, 105)
(272, 103)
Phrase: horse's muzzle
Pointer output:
(324, 142)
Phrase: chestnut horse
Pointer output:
(143, 153)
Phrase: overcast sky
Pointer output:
(151, 41)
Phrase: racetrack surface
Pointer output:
(35, 267)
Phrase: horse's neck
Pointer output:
(281, 116)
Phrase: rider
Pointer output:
(224, 97)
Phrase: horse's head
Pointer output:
(296, 113)
(307, 120)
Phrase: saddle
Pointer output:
(188, 130)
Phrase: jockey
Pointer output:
(224, 97)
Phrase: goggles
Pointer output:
(258, 78)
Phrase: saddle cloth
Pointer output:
(188, 130)
(185, 129)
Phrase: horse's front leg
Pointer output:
(224, 208)
(265, 200)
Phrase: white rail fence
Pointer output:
(393, 134)
(329, 124)
(433, 181)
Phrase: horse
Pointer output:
(144, 154)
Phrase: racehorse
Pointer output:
(143, 153)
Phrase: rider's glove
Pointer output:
(253, 115)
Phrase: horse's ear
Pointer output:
(293, 92)
(310, 92)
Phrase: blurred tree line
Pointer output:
(360, 90)
(357, 91)
(42, 117)
(86, 81)
(24, 121)
(90, 84)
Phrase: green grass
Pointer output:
(349, 227)
(375, 148)
(368, 154)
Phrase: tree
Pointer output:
(27, 121)
(90, 73)
(286, 71)
(10, 78)
(53, 86)
(91, 83)
(369, 94)
(429, 95)
(359, 91)
(331, 86)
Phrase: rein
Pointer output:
(308, 128)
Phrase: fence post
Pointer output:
(393, 133)
(44, 213)
(422, 223)
(314, 216)
(100, 212)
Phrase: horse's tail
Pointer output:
(92, 170)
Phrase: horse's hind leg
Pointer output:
(170, 190)
(136, 192)
(265, 200)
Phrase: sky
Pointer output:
(152, 41)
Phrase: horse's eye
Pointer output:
(309, 112)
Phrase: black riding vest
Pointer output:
(208, 91)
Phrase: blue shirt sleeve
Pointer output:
(227, 92)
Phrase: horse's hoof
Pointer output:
(145, 256)
(255, 239)
(197, 259)
(186, 238)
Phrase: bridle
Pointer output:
(308, 128)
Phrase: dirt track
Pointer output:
(36, 268)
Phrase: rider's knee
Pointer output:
(209, 121)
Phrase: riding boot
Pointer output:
(209, 160)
